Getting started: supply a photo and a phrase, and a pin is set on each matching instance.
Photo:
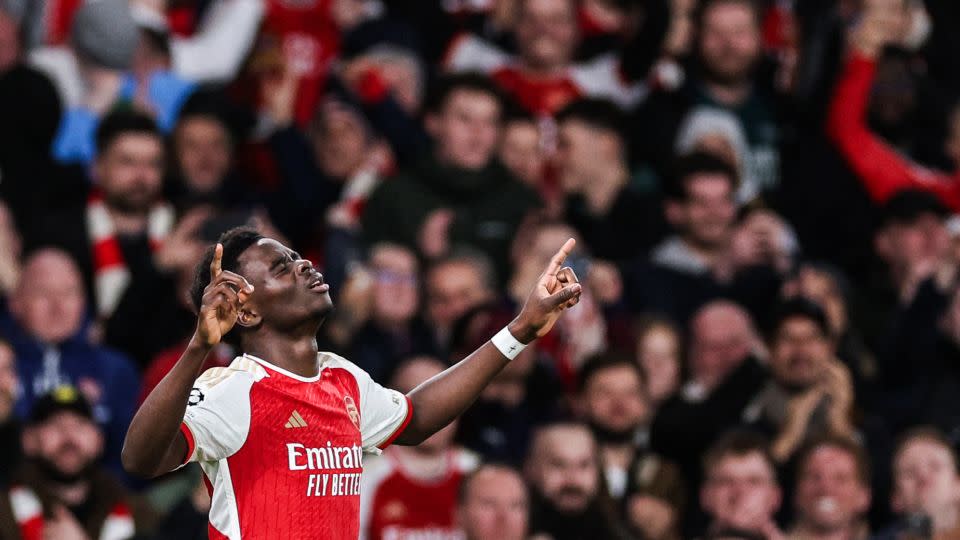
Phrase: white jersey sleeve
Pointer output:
(601, 78)
(470, 53)
(384, 413)
(217, 419)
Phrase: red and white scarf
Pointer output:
(28, 512)
(111, 275)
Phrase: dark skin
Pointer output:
(280, 301)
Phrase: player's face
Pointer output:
(495, 507)
(829, 493)
(288, 290)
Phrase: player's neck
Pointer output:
(296, 355)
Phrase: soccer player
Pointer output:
(280, 433)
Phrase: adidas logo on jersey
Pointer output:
(295, 421)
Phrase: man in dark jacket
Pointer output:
(47, 331)
(123, 237)
(458, 194)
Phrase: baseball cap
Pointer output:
(60, 399)
(105, 32)
(908, 205)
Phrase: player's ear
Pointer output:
(248, 317)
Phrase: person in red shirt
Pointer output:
(543, 77)
(280, 434)
(411, 492)
(881, 168)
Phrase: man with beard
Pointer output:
(569, 500)
(614, 404)
(810, 393)
(61, 492)
(116, 235)
(724, 76)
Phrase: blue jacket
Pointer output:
(98, 372)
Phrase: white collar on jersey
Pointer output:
(282, 371)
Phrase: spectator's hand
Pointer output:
(653, 516)
(434, 237)
(869, 36)
(604, 282)
(222, 300)
(279, 95)
(799, 411)
(838, 386)
(348, 13)
(556, 290)
(354, 305)
(183, 247)
(63, 526)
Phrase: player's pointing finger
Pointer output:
(560, 256)
(217, 260)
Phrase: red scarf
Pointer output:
(111, 276)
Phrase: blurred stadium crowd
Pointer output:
(762, 192)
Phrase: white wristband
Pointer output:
(507, 344)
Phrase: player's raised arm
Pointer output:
(154, 444)
(444, 397)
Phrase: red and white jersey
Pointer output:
(282, 454)
(599, 78)
(396, 505)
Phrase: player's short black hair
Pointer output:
(597, 113)
(123, 122)
(604, 361)
(799, 308)
(689, 165)
(446, 85)
(235, 242)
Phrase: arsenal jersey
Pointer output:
(398, 505)
(282, 454)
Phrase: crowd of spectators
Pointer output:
(765, 196)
